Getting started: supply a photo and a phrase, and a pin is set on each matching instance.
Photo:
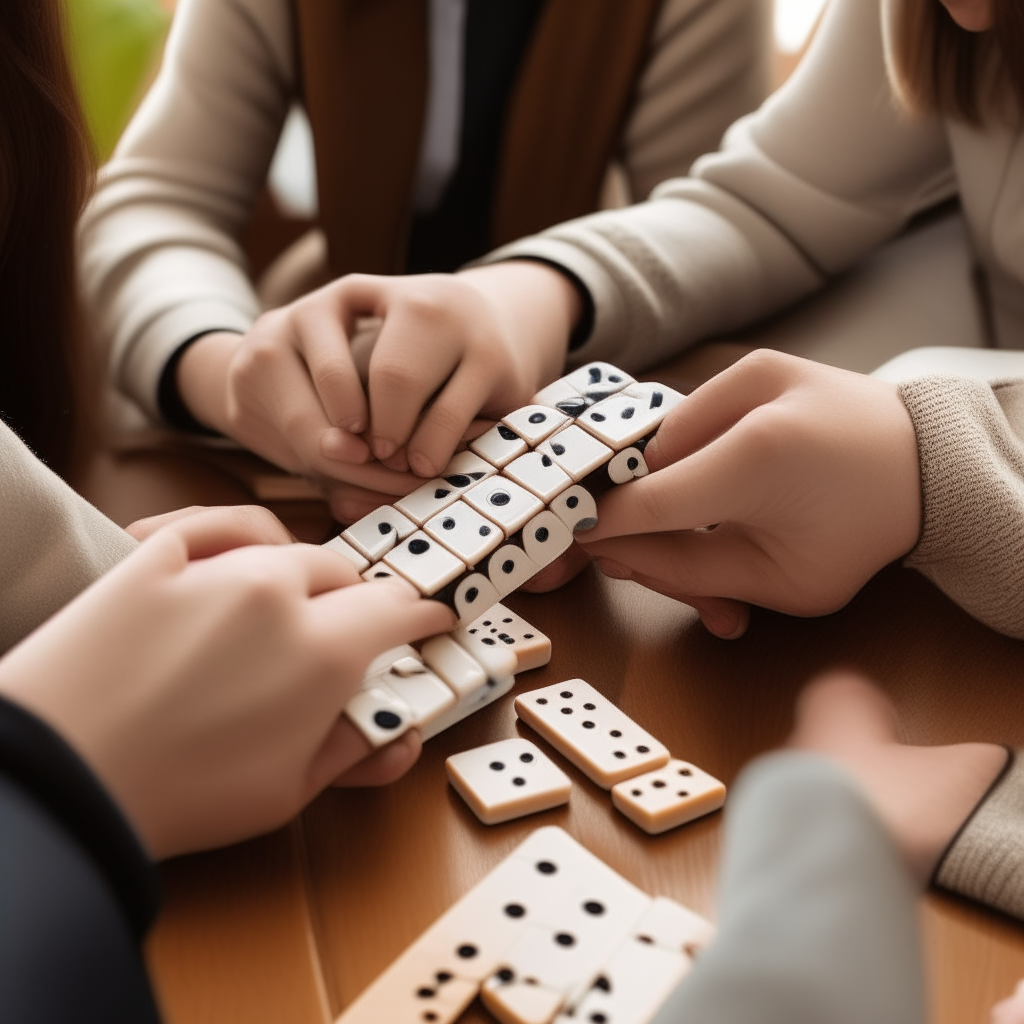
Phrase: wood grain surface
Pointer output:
(293, 926)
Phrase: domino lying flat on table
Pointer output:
(551, 931)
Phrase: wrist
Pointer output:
(202, 375)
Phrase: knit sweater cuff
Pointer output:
(985, 862)
(972, 481)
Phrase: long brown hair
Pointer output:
(45, 168)
(942, 68)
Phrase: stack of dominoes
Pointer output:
(509, 506)
(552, 934)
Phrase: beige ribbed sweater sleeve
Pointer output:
(829, 167)
(53, 543)
(970, 437)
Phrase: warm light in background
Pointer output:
(794, 20)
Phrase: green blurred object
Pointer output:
(114, 45)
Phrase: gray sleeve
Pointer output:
(53, 543)
(818, 915)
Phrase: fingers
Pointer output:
(448, 417)
(722, 564)
(381, 615)
(323, 342)
(386, 765)
(143, 528)
(211, 531)
(350, 503)
(345, 758)
(566, 567)
(717, 405)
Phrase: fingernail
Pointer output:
(614, 570)
(421, 465)
(728, 627)
(382, 448)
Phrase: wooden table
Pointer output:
(289, 928)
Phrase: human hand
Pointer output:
(450, 347)
(1011, 1009)
(810, 473)
(204, 683)
(219, 526)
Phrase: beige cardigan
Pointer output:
(53, 543)
(160, 251)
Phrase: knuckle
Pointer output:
(392, 375)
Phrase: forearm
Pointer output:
(76, 890)
(971, 455)
(815, 899)
(53, 543)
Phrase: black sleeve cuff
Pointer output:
(168, 398)
(38, 759)
(585, 325)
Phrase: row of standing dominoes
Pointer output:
(449, 677)
(552, 933)
(510, 504)
(510, 778)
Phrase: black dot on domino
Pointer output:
(572, 501)
(588, 724)
(542, 700)
(615, 732)
(442, 976)
(485, 531)
(471, 595)
(685, 771)
(507, 566)
(593, 907)
(614, 378)
(658, 784)
(382, 575)
(595, 375)
(508, 435)
(538, 417)
(506, 639)
(603, 984)
(566, 711)
(425, 993)
(656, 399)
(506, 620)
(386, 719)
(619, 754)
(515, 909)
(496, 766)
(642, 749)
(597, 417)
(467, 951)
(430, 1015)
(682, 792)
(487, 640)
(519, 781)
(558, 449)
(383, 529)
(418, 547)
(545, 867)
(441, 493)
(459, 480)
(500, 498)
(627, 413)
(589, 707)
(632, 462)
(526, 758)
(637, 792)
(545, 461)
(527, 636)
(487, 622)
(448, 524)
(506, 974)
(566, 694)
(541, 534)
(565, 939)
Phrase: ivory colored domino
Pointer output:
(501, 627)
(425, 563)
(375, 535)
(495, 688)
(465, 532)
(344, 548)
(562, 396)
(514, 1001)
(535, 422)
(508, 779)
(416, 686)
(599, 380)
(454, 664)
(669, 796)
(655, 394)
(383, 662)
(538, 473)
(499, 445)
(379, 715)
(468, 595)
(544, 538)
(576, 507)
(576, 451)
(674, 927)
(587, 728)
(467, 464)
(430, 498)
(509, 568)
(629, 464)
(504, 502)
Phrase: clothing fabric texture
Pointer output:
(814, 902)
(53, 543)
(77, 891)
(161, 256)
